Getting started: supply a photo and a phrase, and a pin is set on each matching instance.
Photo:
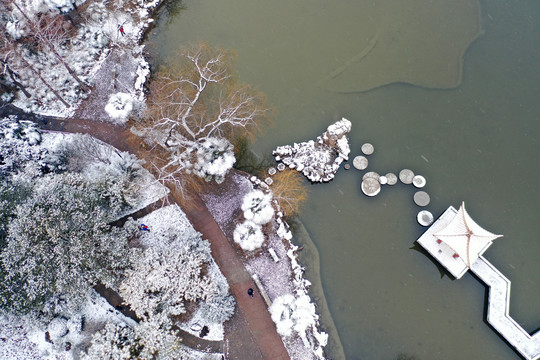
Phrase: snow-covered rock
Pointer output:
(318, 160)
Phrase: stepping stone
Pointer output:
(360, 162)
(383, 180)
(272, 171)
(371, 186)
(392, 178)
(419, 181)
(424, 218)
(406, 176)
(371, 174)
(368, 149)
(347, 166)
(421, 198)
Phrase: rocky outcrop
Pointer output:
(318, 159)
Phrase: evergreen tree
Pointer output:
(58, 241)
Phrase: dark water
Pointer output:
(482, 145)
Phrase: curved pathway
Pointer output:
(253, 335)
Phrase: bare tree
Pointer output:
(195, 99)
(10, 53)
(289, 190)
(48, 31)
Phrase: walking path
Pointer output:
(254, 335)
(263, 329)
(498, 310)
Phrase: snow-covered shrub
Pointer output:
(120, 106)
(257, 207)
(115, 341)
(214, 158)
(219, 306)
(28, 131)
(292, 313)
(248, 235)
(161, 281)
(57, 328)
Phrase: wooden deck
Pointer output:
(499, 307)
(499, 289)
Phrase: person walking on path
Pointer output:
(250, 292)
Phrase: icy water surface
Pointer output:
(478, 143)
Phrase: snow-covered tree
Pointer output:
(215, 157)
(162, 280)
(59, 242)
(103, 163)
(20, 150)
(48, 29)
(293, 314)
(195, 99)
(257, 207)
(248, 235)
(219, 305)
(115, 341)
(146, 341)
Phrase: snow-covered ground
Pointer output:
(99, 30)
(282, 279)
(94, 158)
(68, 332)
(24, 338)
(160, 223)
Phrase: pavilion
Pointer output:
(456, 240)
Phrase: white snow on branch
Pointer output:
(257, 207)
(248, 235)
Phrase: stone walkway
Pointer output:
(254, 334)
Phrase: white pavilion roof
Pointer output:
(463, 235)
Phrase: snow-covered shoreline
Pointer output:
(276, 265)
